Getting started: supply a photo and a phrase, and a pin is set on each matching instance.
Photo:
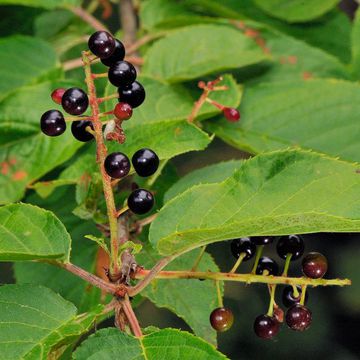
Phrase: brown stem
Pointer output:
(123, 228)
(128, 21)
(143, 41)
(138, 225)
(129, 312)
(88, 18)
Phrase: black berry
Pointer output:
(117, 55)
(266, 263)
(298, 317)
(140, 201)
(231, 114)
(145, 162)
(291, 244)
(52, 123)
(266, 327)
(221, 319)
(101, 44)
(78, 129)
(123, 111)
(122, 74)
(134, 94)
(262, 240)
(57, 95)
(117, 165)
(75, 101)
(314, 265)
(243, 245)
(288, 297)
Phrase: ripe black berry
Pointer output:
(117, 165)
(145, 162)
(57, 94)
(231, 114)
(243, 245)
(221, 319)
(101, 44)
(291, 244)
(266, 327)
(52, 123)
(298, 317)
(122, 73)
(288, 297)
(140, 201)
(75, 101)
(123, 111)
(262, 240)
(78, 129)
(134, 94)
(117, 55)
(266, 263)
(314, 265)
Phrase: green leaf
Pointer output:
(313, 114)
(35, 321)
(162, 344)
(196, 51)
(28, 232)
(356, 46)
(249, 202)
(47, 4)
(51, 23)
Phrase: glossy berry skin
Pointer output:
(123, 111)
(266, 263)
(266, 327)
(140, 201)
(262, 240)
(243, 245)
(117, 55)
(221, 319)
(298, 317)
(288, 297)
(78, 129)
(122, 74)
(101, 44)
(231, 114)
(291, 244)
(52, 123)
(134, 94)
(75, 101)
(117, 165)
(314, 265)
(145, 162)
(57, 95)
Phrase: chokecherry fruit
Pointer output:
(145, 162)
(117, 55)
(122, 74)
(268, 264)
(291, 244)
(262, 240)
(298, 317)
(78, 129)
(140, 201)
(243, 245)
(231, 114)
(123, 111)
(288, 297)
(134, 94)
(57, 95)
(52, 123)
(101, 44)
(117, 165)
(75, 101)
(314, 265)
(266, 327)
(221, 319)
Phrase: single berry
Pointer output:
(266, 263)
(243, 245)
(122, 73)
(140, 201)
(101, 44)
(288, 297)
(291, 244)
(134, 94)
(298, 317)
(221, 319)
(57, 95)
(117, 55)
(145, 162)
(262, 240)
(78, 129)
(231, 114)
(266, 327)
(314, 265)
(117, 165)
(52, 123)
(75, 101)
(123, 111)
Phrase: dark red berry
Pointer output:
(145, 162)
(117, 165)
(122, 74)
(117, 55)
(123, 111)
(266, 327)
(291, 244)
(314, 265)
(134, 94)
(298, 317)
(75, 101)
(140, 201)
(78, 129)
(57, 95)
(231, 114)
(288, 297)
(52, 123)
(243, 245)
(101, 44)
(221, 319)
(262, 240)
(266, 263)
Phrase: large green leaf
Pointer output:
(356, 46)
(162, 344)
(28, 232)
(47, 4)
(313, 114)
(272, 194)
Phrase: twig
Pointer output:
(129, 312)
(88, 18)
(128, 21)
(143, 41)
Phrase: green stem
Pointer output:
(238, 263)
(303, 293)
(287, 264)
(295, 291)
(198, 259)
(272, 300)
(259, 251)
(218, 291)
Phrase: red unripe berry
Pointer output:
(123, 111)
(314, 265)
(57, 95)
(221, 319)
(231, 114)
